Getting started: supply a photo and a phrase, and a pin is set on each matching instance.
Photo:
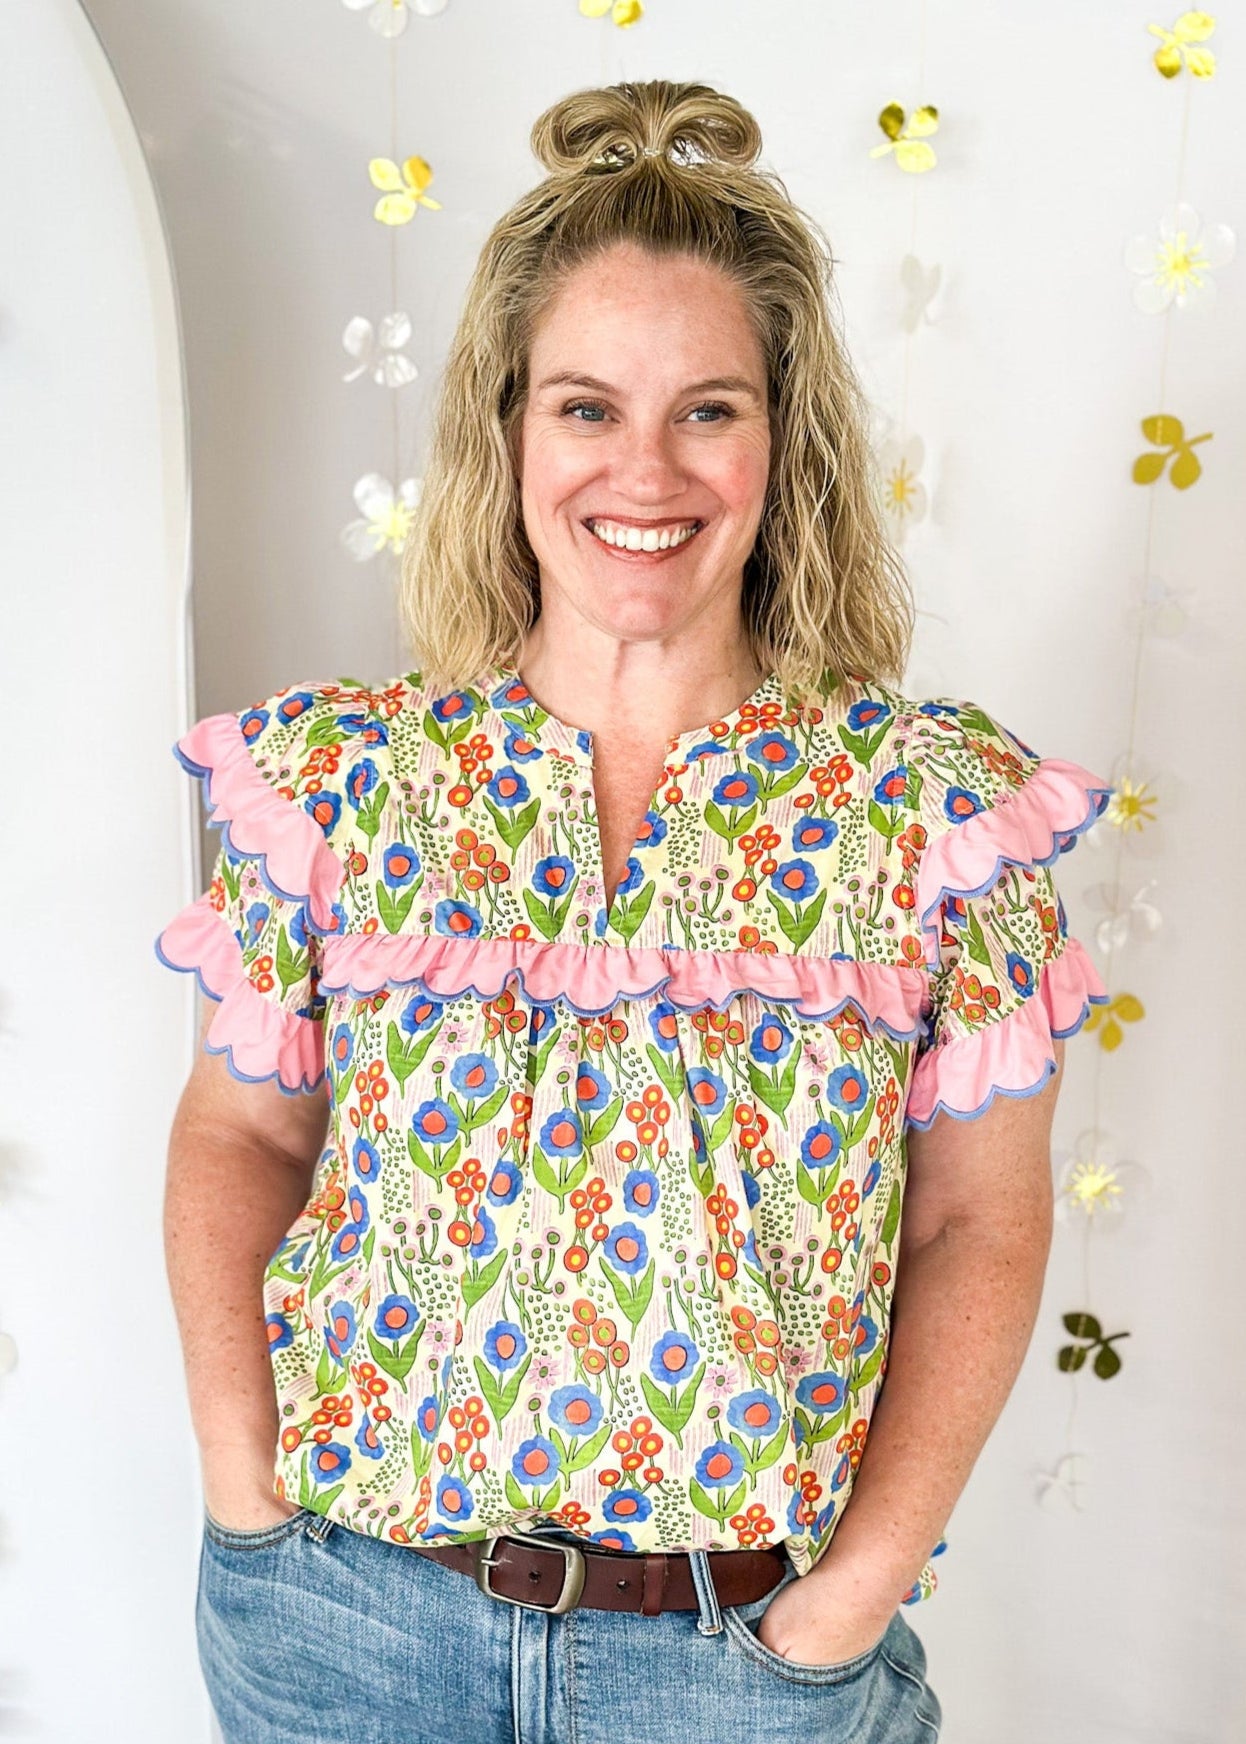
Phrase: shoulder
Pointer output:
(965, 759)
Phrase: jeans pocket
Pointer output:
(255, 1537)
(742, 1622)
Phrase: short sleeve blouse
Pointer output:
(607, 1223)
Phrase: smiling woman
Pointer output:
(633, 937)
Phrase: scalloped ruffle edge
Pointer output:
(260, 1039)
(1013, 1056)
(1031, 826)
(295, 860)
(591, 979)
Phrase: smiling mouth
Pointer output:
(627, 540)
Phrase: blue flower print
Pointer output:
(626, 1249)
(435, 1122)
(361, 778)
(505, 1345)
(520, 748)
(280, 1332)
(960, 804)
(707, 1091)
(328, 1460)
(420, 1013)
(614, 1537)
(365, 1160)
(1020, 974)
(592, 1087)
(795, 880)
(554, 876)
(374, 733)
(256, 919)
(536, 1461)
(508, 787)
(822, 1393)
(452, 707)
(821, 1145)
(252, 723)
(474, 1075)
(752, 1188)
(721, 1464)
(664, 1025)
(626, 1505)
(505, 1183)
(738, 788)
(811, 833)
(399, 865)
(291, 707)
(454, 1499)
(323, 808)
(396, 1316)
(457, 920)
(575, 1409)
(641, 1191)
(891, 788)
(633, 877)
(848, 1088)
(652, 830)
(367, 1441)
(755, 1413)
(673, 1359)
(484, 1235)
(427, 1418)
(561, 1135)
(339, 1331)
(866, 714)
(771, 1041)
(341, 1049)
(774, 751)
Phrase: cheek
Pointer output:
(740, 476)
(552, 472)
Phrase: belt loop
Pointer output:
(709, 1618)
(320, 1527)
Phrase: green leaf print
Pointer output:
(857, 1128)
(771, 1451)
(775, 1093)
(669, 1068)
(474, 1114)
(771, 790)
(432, 727)
(887, 820)
(513, 826)
(403, 1056)
(291, 964)
(231, 877)
(330, 1375)
(735, 1501)
(701, 1501)
(549, 1178)
(369, 813)
(729, 829)
(797, 926)
(722, 1129)
(420, 1157)
(325, 731)
(869, 1368)
(501, 1400)
(514, 1495)
(658, 1402)
(863, 747)
(394, 911)
(547, 924)
(604, 1124)
(632, 1300)
(396, 1360)
(625, 917)
(977, 939)
(815, 1190)
(476, 1283)
(591, 1448)
(891, 1221)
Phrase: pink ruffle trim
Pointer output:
(295, 860)
(592, 978)
(1014, 1055)
(259, 1038)
(1031, 826)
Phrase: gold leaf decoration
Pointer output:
(1107, 1019)
(1168, 434)
(403, 188)
(622, 12)
(1178, 46)
(906, 138)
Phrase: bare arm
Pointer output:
(240, 1165)
(974, 1240)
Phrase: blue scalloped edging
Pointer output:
(302, 1089)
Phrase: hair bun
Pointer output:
(612, 126)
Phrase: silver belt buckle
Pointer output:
(573, 1571)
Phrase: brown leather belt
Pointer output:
(546, 1574)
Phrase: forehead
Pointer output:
(628, 310)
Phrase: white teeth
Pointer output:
(641, 538)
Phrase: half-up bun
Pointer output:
(613, 127)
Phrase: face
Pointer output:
(647, 410)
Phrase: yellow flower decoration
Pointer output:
(907, 138)
(404, 188)
(1093, 1188)
(1132, 806)
(1176, 51)
(622, 12)
(1107, 1019)
(1169, 434)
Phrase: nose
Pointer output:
(645, 466)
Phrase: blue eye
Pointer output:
(596, 406)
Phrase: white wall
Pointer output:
(1058, 143)
(99, 1507)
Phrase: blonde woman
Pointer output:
(611, 1205)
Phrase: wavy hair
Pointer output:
(671, 168)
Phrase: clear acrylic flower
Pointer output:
(1159, 609)
(1093, 1184)
(1177, 266)
(904, 495)
(919, 285)
(389, 17)
(380, 349)
(386, 516)
(1127, 912)
(1065, 1485)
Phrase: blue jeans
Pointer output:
(310, 1633)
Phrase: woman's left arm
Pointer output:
(975, 1234)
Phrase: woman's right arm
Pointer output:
(240, 1166)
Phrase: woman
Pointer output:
(660, 961)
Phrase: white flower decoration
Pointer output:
(1094, 1183)
(1159, 611)
(380, 349)
(386, 517)
(904, 494)
(389, 17)
(1063, 1487)
(919, 285)
(1178, 267)
(1125, 916)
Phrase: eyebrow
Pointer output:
(723, 384)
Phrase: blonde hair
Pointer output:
(671, 168)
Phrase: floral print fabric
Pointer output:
(607, 1222)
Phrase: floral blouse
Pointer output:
(606, 1227)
